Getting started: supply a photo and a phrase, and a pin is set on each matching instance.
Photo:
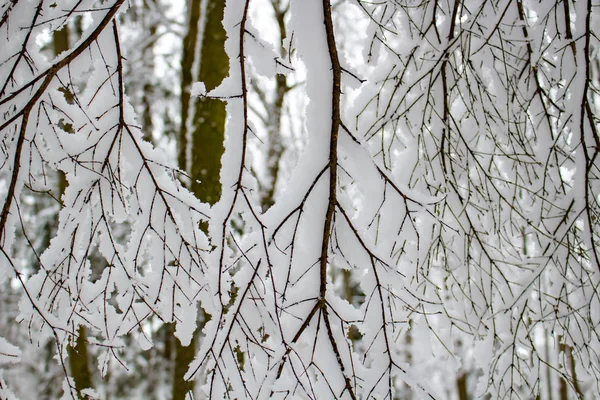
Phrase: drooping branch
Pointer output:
(25, 112)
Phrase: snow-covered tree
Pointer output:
(436, 238)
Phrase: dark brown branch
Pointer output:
(336, 121)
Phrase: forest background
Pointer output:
(299, 199)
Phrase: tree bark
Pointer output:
(208, 121)
(190, 42)
(461, 387)
(79, 364)
(205, 146)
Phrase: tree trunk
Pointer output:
(190, 42)
(461, 386)
(79, 364)
(208, 120)
(148, 89)
(275, 110)
(204, 145)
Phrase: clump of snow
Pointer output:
(198, 89)
(8, 352)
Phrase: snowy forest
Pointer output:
(299, 199)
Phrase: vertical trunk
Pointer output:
(183, 357)
(60, 43)
(79, 362)
(148, 67)
(562, 352)
(78, 354)
(190, 42)
(461, 387)
(573, 367)
(408, 340)
(275, 110)
(548, 370)
(566, 352)
(204, 143)
(208, 121)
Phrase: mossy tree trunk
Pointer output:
(208, 119)
(79, 364)
(202, 132)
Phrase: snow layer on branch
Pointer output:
(8, 352)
